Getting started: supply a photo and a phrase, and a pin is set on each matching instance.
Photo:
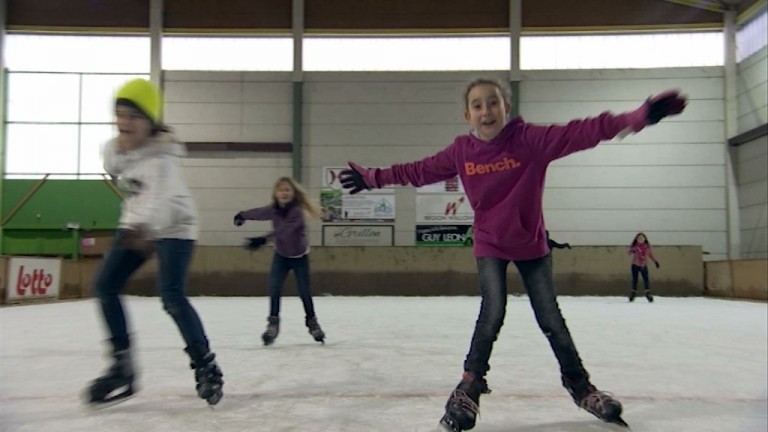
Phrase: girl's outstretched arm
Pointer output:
(557, 141)
(438, 167)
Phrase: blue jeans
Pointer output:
(174, 256)
(538, 282)
(644, 273)
(280, 267)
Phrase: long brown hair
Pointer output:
(299, 195)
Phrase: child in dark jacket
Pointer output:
(289, 202)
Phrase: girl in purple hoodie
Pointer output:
(502, 164)
(289, 202)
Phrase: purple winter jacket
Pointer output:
(289, 230)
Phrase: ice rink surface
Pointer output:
(677, 365)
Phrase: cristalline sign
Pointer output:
(30, 278)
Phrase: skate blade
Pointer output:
(214, 399)
(620, 421)
(108, 402)
(447, 425)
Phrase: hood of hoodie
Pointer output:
(164, 143)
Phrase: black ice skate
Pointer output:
(594, 401)
(208, 376)
(273, 329)
(463, 406)
(315, 330)
(649, 296)
(116, 385)
(632, 295)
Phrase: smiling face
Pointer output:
(486, 110)
(284, 193)
(133, 125)
(640, 239)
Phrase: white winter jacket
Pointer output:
(155, 196)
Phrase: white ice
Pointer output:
(678, 365)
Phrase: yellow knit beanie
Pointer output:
(143, 95)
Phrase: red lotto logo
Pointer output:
(37, 281)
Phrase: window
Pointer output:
(57, 123)
(752, 37)
(227, 53)
(622, 51)
(56, 53)
(493, 52)
(406, 53)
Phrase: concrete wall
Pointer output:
(752, 178)
(667, 181)
(753, 90)
(752, 157)
(230, 107)
(746, 279)
(412, 271)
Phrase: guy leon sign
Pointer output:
(30, 278)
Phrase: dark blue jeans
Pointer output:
(644, 273)
(280, 267)
(538, 282)
(174, 256)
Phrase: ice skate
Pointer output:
(273, 329)
(315, 330)
(600, 404)
(208, 377)
(116, 385)
(463, 406)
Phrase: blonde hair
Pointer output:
(485, 81)
(299, 195)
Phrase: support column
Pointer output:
(3, 95)
(515, 31)
(731, 130)
(156, 41)
(297, 79)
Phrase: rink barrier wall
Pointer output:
(403, 271)
(743, 279)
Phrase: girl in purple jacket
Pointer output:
(502, 164)
(289, 202)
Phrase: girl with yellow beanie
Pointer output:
(158, 216)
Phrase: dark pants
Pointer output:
(174, 256)
(644, 272)
(538, 281)
(280, 267)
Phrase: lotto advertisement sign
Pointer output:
(32, 278)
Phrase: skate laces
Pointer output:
(460, 399)
(596, 401)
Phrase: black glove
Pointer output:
(239, 219)
(665, 104)
(254, 243)
(354, 178)
(657, 264)
(568, 245)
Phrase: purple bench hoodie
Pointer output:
(504, 178)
